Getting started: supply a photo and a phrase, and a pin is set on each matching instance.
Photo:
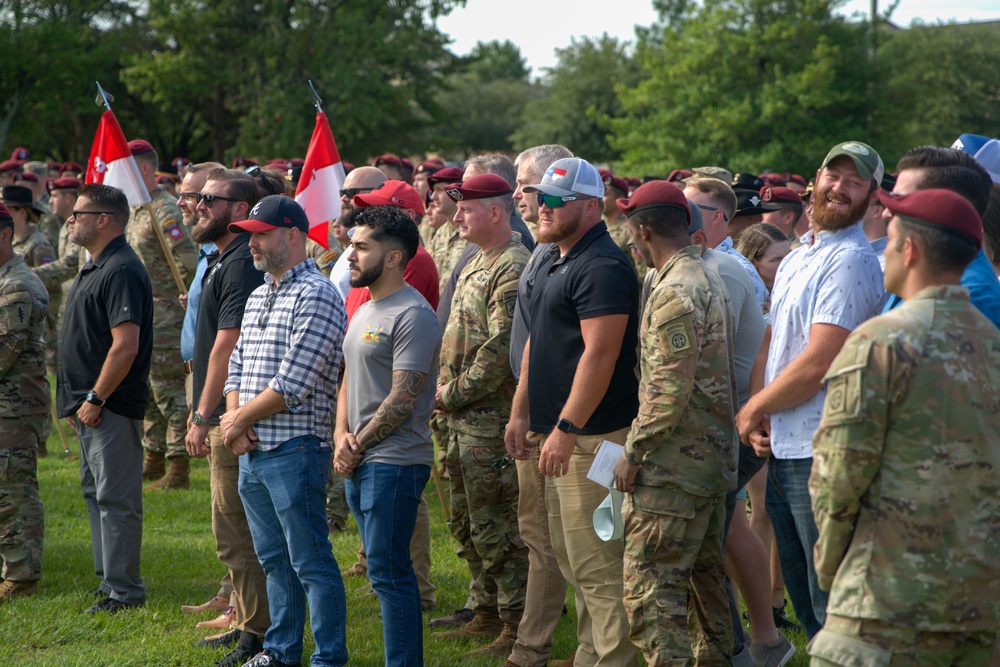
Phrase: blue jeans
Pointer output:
(384, 499)
(795, 531)
(284, 493)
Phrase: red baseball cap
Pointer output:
(939, 208)
(391, 193)
(655, 194)
(480, 187)
(140, 146)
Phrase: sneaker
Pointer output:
(109, 605)
(224, 640)
(454, 620)
(96, 593)
(744, 658)
(248, 647)
(772, 655)
(17, 589)
(267, 659)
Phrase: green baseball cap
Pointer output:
(863, 156)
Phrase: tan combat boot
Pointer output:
(482, 626)
(499, 647)
(17, 589)
(177, 477)
(153, 466)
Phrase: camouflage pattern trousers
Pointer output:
(675, 582)
(21, 513)
(484, 521)
(165, 424)
(874, 643)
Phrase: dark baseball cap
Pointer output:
(273, 212)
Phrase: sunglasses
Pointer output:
(350, 192)
(260, 173)
(725, 218)
(265, 314)
(77, 214)
(211, 199)
(556, 201)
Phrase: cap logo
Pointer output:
(555, 171)
(755, 200)
(855, 148)
(256, 209)
(768, 195)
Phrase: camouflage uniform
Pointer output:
(684, 440)
(37, 251)
(25, 403)
(450, 251)
(325, 259)
(905, 488)
(477, 392)
(166, 417)
(426, 233)
(622, 235)
(58, 276)
(49, 225)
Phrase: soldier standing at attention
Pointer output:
(680, 456)
(24, 411)
(165, 424)
(905, 482)
(475, 391)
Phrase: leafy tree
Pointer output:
(498, 61)
(579, 98)
(746, 84)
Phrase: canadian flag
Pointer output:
(322, 178)
(111, 162)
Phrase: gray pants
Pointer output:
(111, 477)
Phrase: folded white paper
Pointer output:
(602, 470)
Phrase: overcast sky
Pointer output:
(538, 27)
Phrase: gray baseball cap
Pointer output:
(570, 176)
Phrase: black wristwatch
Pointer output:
(92, 397)
(566, 426)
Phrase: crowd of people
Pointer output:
(795, 382)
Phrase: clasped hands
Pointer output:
(347, 454)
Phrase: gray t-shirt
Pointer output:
(397, 333)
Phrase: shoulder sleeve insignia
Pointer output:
(510, 301)
(172, 229)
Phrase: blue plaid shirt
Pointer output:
(291, 340)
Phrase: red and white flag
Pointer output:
(111, 162)
(322, 178)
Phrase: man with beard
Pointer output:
(359, 181)
(279, 420)
(230, 278)
(823, 290)
(580, 391)
(382, 435)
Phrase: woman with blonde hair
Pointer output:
(765, 246)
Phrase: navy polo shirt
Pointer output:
(595, 278)
(111, 289)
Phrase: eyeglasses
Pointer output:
(266, 313)
(211, 199)
(350, 192)
(556, 201)
(188, 196)
(257, 170)
(725, 217)
(77, 214)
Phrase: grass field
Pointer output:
(179, 567)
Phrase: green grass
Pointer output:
(179, 567)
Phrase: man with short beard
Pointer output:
(823, 290)
(359, 181)
(227, 195)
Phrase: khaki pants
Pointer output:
(845, 642)
(233, 542)
(593, 565)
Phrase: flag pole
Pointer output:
(103, 97)
(316, 99)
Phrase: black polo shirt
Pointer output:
(110, 289)
(595, 278)
(225, 288)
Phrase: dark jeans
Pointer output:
(796, 533)
(284, 493)
(384, 499)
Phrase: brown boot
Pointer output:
(482, 626)
(568, 662)
(177, 477)
(17, 589)
(153, 466)
(499, 647)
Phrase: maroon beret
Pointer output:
(480, 187)
(5, 213)
(391, 193)
(140, 146)
(406, 163)
(296, 162)
(64, 183)
(245, 162)
(940, 208)
(446, 175)
(779, 195)
(616, 182)
(605, 174)
(801, 180)
(181, 162)
(633, 182)
(25, 176)
(389, 158)
(655, 194)
(774, 179)
(680, 175)
(73, 167)
(11, 165)
(430, 166)
(21, 153)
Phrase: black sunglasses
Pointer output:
(260, 172)
(211, 199)
(350, 192)
(265, 314)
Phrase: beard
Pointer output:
(825, 218)
(368, 276)
(212, 228)
(274, 260)
(349, 218)
(81, 237)
(556, 231)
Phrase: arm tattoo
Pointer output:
(395, 409)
